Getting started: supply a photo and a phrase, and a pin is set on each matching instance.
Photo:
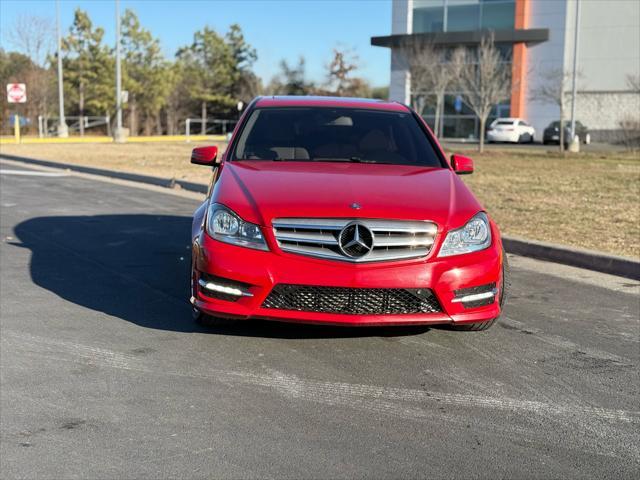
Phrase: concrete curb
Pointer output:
(576, 257)
(133, 177)
(589, 259)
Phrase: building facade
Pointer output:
(537, 40)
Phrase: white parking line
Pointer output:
(32, 173)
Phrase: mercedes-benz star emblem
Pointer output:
(355, 240)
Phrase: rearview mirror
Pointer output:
(461, 165)
(205, 156)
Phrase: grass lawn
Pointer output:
(159, 159)
(591, 200)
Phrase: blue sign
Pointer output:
(24, 121)
(458, 104)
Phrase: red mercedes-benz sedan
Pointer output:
(345, 212)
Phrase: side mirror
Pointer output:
(205, 156)
(461, 165)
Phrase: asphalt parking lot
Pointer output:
(104, 375)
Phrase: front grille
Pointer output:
(352, 301)
(384, 239)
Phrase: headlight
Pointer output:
(474, 236)
(224, 225)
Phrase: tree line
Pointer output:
(206, 78)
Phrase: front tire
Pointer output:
(475, 327)
(480, 326)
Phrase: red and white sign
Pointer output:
(16, 92)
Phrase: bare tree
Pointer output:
(431, 75)
(339, 71)
(484, 80)
(555, 89)
(34, 36)
(630, 123)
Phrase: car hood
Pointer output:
(260, 191)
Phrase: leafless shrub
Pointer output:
(431, 76)
(32, 35)
(555, 89)
(630, 132)
(630, 123)
(483, 78)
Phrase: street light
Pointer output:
(120, 134)
(574, 86)
(63, 130)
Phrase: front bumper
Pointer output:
(260, 271)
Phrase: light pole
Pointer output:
(63, 130)
(120, 134)
(574, 86)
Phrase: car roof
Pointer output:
(508, 119)
(318, 101)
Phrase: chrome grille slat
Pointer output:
(306, 237)
(403, 241)
(318, 237)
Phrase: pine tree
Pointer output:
(88, 67)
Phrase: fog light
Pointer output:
(476, 296)
(222, 288)
(214, 287)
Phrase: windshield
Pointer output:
(335, 135)
(567, 124)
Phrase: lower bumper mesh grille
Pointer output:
(352, 301)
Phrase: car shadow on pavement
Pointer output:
(136, 267)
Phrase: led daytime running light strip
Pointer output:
(222, 289)
(476, 296)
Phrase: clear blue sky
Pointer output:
(276, 28)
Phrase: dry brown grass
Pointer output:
(590, 201)
(168, 160)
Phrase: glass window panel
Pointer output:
(428, 103)
(499, 15)
(459, 127)
(428, 16)
(453, 105)
(502, 110)
(462, 17)
(505, 51)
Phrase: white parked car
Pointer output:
(513, 130)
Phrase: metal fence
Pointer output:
(212, 126)
(48, 126)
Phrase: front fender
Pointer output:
(198, 219)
